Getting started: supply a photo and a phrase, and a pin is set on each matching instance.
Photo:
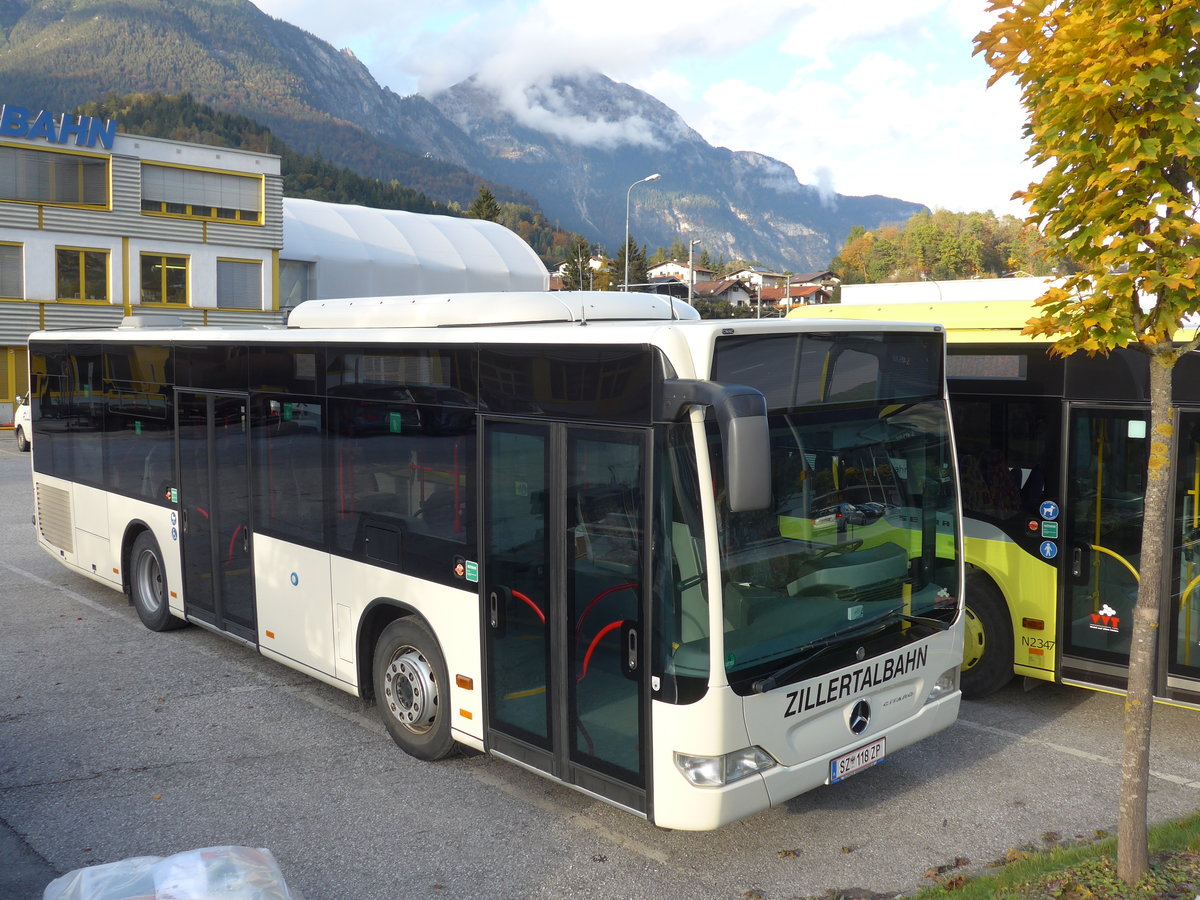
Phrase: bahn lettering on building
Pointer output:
(83, 131)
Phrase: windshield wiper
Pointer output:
(928, 621)
(818, 648)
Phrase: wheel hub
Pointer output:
(411, 691)
(150, 580)
(974, 641)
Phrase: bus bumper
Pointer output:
(683, 806)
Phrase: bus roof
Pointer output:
(991, 322)
(537, 317)
(488, 308)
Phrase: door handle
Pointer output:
(630, 634)
(498, 598)
(1076, 562)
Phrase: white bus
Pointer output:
(693, 568)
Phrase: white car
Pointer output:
(23, 424)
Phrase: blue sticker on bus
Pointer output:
(1048, 549)
(1049, 510)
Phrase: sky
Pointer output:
(857, 96)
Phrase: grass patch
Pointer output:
(1084, 871)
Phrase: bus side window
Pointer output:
(288, 438)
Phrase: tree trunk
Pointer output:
(1133, 859)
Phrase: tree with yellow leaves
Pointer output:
(1110, 92)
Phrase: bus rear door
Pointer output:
(214, 498)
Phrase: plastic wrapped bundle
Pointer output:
(213, 873)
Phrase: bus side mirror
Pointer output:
(741, 413)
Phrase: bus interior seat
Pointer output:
(440, 512)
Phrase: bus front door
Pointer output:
(564, 546)
(214, 501)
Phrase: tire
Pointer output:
(411, 689)
(22, 441)
(148, 585)
(988, 648)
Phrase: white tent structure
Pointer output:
(354, 251)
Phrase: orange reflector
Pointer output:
(270, 634)
(465, 682)
(1036, 651)
(1033, 624)
(466, 714)
(175, 595)
(116, 571)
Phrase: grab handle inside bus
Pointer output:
(741, 413)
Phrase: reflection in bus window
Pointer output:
(1007, 455)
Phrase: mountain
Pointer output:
(59, 54)
(576, 143)
(608, 135)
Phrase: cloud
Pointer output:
(870, 96)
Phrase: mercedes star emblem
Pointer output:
(860, 716)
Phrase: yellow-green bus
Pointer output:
(1052, 454)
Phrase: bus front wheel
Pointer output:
(148, 585)
(411, 689)
(988, 648)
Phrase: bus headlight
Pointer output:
(945, 685)
(715, 771)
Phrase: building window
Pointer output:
(46, 176)
(12, 271)
(164, 279)
(239, 284)
(81, 274)
(199, 194)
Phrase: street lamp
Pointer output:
(691, 269)
(654, 177)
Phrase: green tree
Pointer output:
(484, 206)
(1109, 89)
(578, 271)
(946, 245)
(637, 265)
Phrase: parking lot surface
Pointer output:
(119, 742)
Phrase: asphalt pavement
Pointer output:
(119, 742)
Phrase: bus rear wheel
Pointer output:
(988, 648)
(148, 585)
(22, 441)
(411, 689)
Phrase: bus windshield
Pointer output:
(861, 534)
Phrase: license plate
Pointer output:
(856, 760)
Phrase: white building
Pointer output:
(673, 268)
(96, 225)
